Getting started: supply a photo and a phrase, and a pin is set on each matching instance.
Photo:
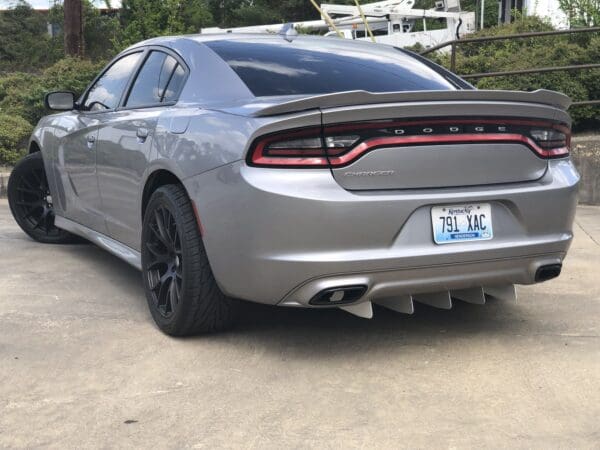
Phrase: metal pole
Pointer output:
(327, 19)
(507, 11)
(482, 16)
(364, 19)
(513, 36)
(528, 71)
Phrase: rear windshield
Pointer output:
(323, 66)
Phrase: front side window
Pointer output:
(158, 82)
(108, 89)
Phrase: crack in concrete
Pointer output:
(587, 234)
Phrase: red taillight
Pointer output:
(553, 142)
(340, 145)
(304, 148)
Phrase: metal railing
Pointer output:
(455, 43)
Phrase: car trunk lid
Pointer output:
(439, 143)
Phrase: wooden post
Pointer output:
(73, 28)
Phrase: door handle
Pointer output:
(142, 134)
(91, 140)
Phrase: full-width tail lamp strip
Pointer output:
(341, 145)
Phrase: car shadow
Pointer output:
(328, 333)
(332, 332)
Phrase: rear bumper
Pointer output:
(411, 281)
(281, 236)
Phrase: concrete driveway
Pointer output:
(82, 365)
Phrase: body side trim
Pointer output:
(118, 249)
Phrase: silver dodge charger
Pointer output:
(304, 172)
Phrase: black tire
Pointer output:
(182, 293)
(30, 201)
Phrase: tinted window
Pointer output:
(150, 86)
(107, 91)
(321, 66)
(175, 84)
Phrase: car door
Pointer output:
(78, 151)
(76, 163)
(125, 142)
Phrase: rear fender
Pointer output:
(213, 139)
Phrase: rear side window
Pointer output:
(271, 68)
(158, 81)
(175, 85)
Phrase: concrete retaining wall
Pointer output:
(586, 156)
(3, 182)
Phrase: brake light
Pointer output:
(554, 142)
(340, 145)
(304, 148)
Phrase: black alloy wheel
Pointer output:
(183, 295)
(31, 203)
(164, 268)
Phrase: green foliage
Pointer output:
(516, 54)
(22, 94)
(26, 44)
(232, 13)
(14, 134)
(582, 13)
(144, 19)
(27, 49)
(99, 29)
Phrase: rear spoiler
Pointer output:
(356, 98)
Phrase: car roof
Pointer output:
(171, 41)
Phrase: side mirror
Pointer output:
(60, 101)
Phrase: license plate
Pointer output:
(462, 223)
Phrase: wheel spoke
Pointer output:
(40, 178)
(29, 191)
(152, 248)
(168, 222)
(48, 221)
(35, 203)
(172, 230)
(30, 186)
(29, 214)
(34, 174)
(162, 234)
(176, 282)
(155, 232)
(38, 222)
(177, 243)
(155, 265)
(153, 277)
(163, 260)
(173, 300)
(163, 291)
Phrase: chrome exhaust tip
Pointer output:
(548, 272)
(342, 295)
